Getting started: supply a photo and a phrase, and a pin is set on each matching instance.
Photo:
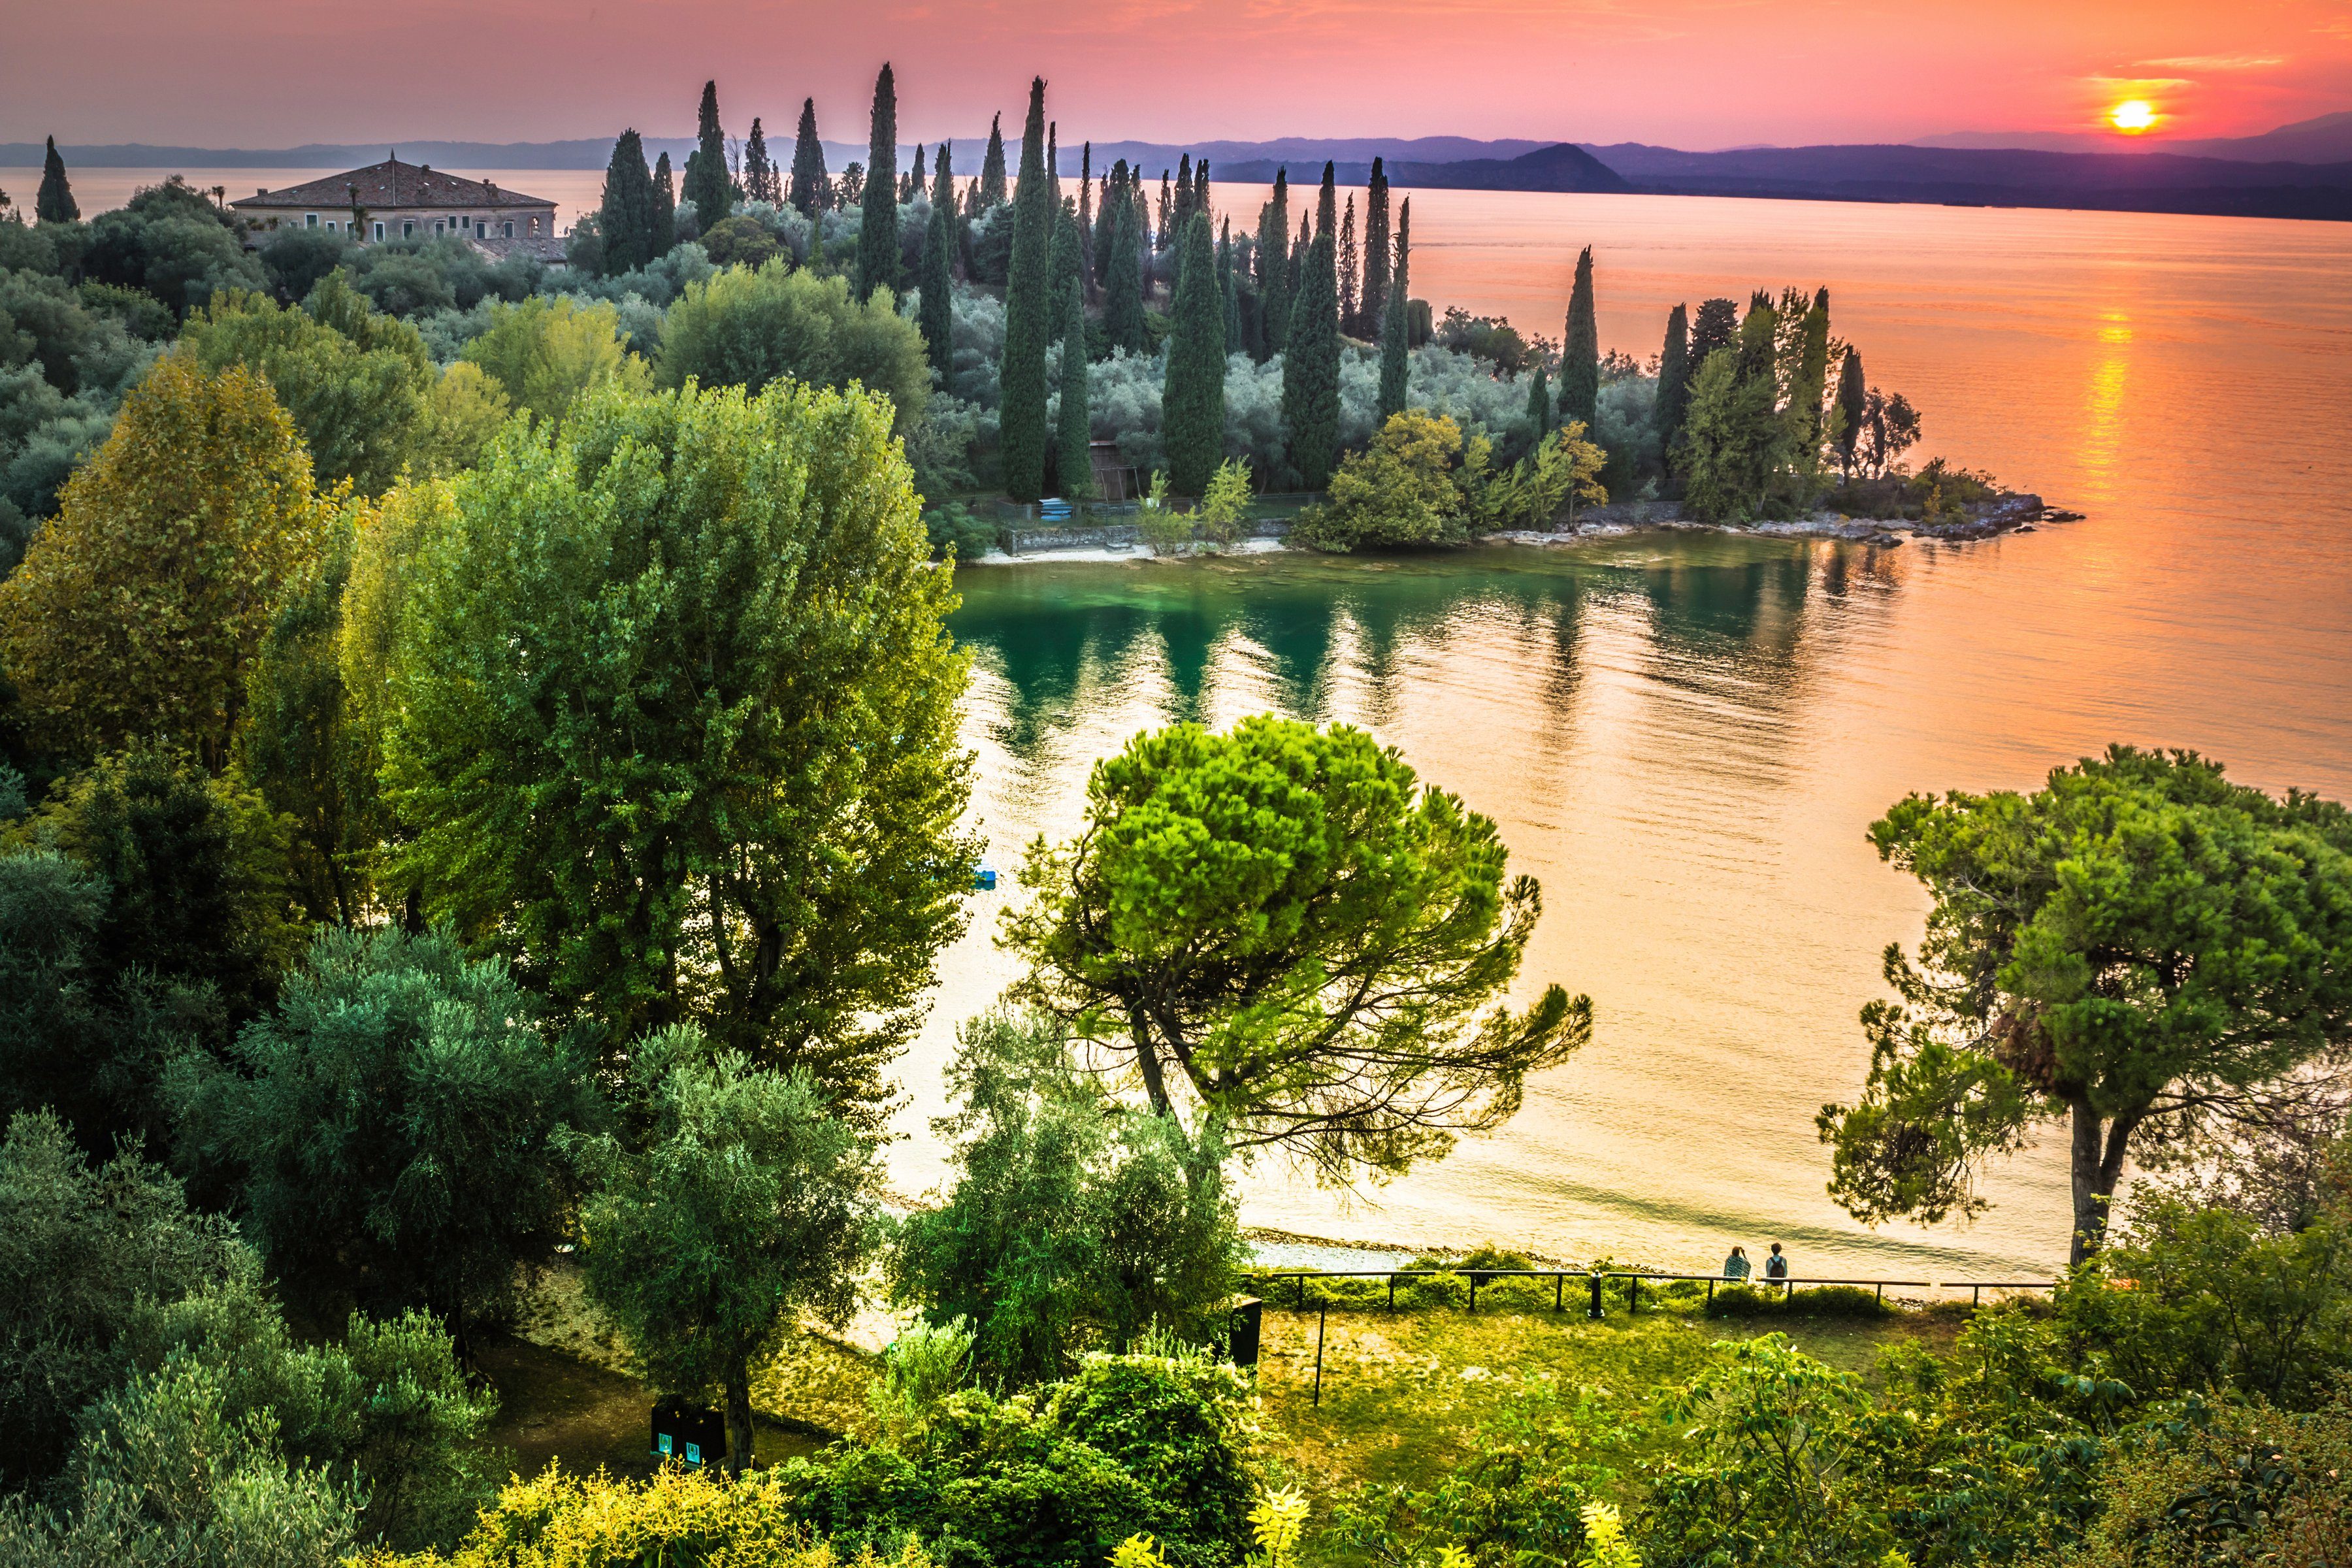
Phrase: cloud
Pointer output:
(2217, 62)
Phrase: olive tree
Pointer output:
(1287, 924)
(2140, 949)
(746, 1202)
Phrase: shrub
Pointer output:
(1402, 491)
(746, 328)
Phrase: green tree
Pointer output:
(1808, 390)
(2141, 948)
(936, 306)
(1192, 421)
(746, 329)
(1274, 266)
(172, 243)
(82, 1250)
(1310, 362)
(1123, 323)
(877, 229)
(1396, 329)
(812, 191)
(707, 185)
(1028, 313)
(547, 354)
(299, 748)
(358, 384)
(761, 181)
(138, 604)
(402, 1126)
(54, 202)
(1674, 381)
(1580, 352)
(673, 719)
(1733, 442)
(1404, 489)
(1073, 1222)
(1716, 326)
(1538, 404)
(1853, 401)
(661, 221)
(1073, 431)
(1323, 961)
(626, 217)
(747, 1202)
(1228, 298)
(993, 188)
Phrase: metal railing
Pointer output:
(1635, 1277)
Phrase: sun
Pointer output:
(2132, 116)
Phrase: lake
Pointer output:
(1684, 737)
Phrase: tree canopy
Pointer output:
(2140, 948)
(746, 328)
(673, 723)
(1287, 923)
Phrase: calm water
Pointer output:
(1684, 738)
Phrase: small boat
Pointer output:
(984, 880)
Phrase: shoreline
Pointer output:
(1111, 543)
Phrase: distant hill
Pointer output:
(2325, 139)
(1562, 168)
(2133, 182)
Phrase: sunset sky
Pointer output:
(1692, 73)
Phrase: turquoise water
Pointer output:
(1683, 736)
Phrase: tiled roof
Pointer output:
(393, 185)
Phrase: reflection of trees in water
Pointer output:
(1731, 621)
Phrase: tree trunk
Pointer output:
(1146, 1061)
(738, 1418)
(2098, 1167)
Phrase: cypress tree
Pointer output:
(1183, 210)
(1227, 293)
(1579, 361)
(1164, 235)
(1087, 217)
(1717, 325)
(661, 227)
(1073, 431)
(936, 311)
(1758, 340)
(1123, 290)
(759, 181)
(991, 167)
(915, 174)
(1274, 266)
(1201, 186)
(1028, 313)
(1814, 367)
(1853, 396)
(1064, 264)
(54, 202)
(877, 227)
(1054, 170)
(1310, 365)
(1673, 379)
(1192, 397)
(625, 217)
(1107, 220)
(1350, 273)
(1394, 331)
(812, 191)
(1539, 403)
(1373, 301)
(706, 184)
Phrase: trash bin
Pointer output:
(688, 1433)
(1242, 1330)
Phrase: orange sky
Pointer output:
(1694, 73)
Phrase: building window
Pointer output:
(407, 229)
(310, 220)
(440, 227)
(379, 230)
(509, 229)
(534, 225)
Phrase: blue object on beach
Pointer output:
(1052, 510)
(984, 880)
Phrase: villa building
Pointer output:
(393, 200)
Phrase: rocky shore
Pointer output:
(2013, 513)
